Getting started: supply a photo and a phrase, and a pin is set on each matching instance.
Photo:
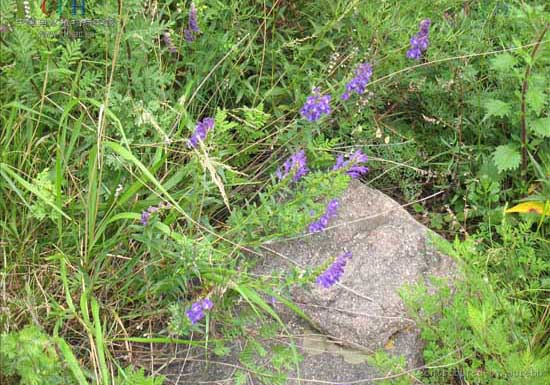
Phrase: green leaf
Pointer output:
(7, 172)
(476, 318)
(220, 349)
(536, 99)
(100, 343)
(506, 157)
(541, 127)
(496, 108)
(72, 362)
(503, 63)
(240, 377)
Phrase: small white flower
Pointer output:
(118, 190)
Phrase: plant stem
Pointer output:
(524, 88)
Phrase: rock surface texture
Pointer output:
(363, 312)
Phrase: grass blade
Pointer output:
(99, 342)
(5, 169)
(72, 362)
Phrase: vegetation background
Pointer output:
(95, 121)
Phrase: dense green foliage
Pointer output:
(31, 355)
(495, 322)
(94, 131)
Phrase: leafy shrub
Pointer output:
(32, 356)
(489, 329)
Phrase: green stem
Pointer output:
(524, 88)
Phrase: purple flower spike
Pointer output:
(321, 223)
(188, 35)
(192, 24)
(359, 83)
(201, 129)
(168, 42)
(316, 106)
(425, 26)
(354, 165)
(332, 208)
(414, 53)
(296, 164)
(357, 169)
(420, 41)
(339, 162)
(334, 272)
(196, 312)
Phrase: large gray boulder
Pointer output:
(390, 249)
(362, 313)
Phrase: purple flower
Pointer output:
(196, 312)
(339, 163)
(316, 105)
(359, 83)
(321, 223)
(188, 35)
(420, 41)
(296, 164)
(168, 42)
(201, 129)
(425, 26)
(146, 215)
(414, 53)
(332, 208)
(192, 24)
(334, 272)
(354, 165)
(207, 304)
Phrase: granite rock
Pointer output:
(390, 249)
